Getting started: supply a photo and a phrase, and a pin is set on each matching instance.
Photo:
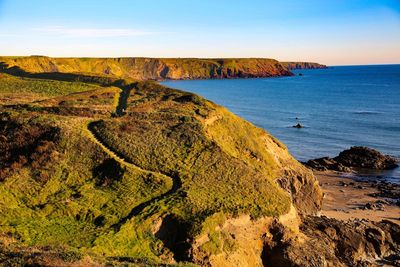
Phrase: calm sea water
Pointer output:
(339, 107)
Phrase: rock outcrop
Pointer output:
(291, 240)
(304, 189)
(364, 157)
(354, 158)
(330, 242)
(327, 163)
(239, 241)
(298, 126)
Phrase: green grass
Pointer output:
(165, 135)
(17, 85)
(66, 209)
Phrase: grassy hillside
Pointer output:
(27, 90)
(151, 68)
(105, 170)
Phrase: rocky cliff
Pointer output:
(152, 68)
(303, 65)
(322, 241)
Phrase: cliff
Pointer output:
(152, 68)
(128, 171)
(302, 65)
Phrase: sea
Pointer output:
(339, 107)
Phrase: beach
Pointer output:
(346, 198)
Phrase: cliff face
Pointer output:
(302, 65)
(152, 68)
(322, 241)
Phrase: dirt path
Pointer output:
(122, 104)
(119, 112)
(176, 182)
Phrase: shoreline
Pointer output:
(347, 198)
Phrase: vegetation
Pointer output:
(302, 65)
(150, 68)
(111, 168)
(16, 85)
(76, 203)
(169, 137)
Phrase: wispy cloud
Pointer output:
(92, 32)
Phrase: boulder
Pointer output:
(364, 157)
(354, 158)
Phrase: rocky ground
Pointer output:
(346, 198)
(329, 242)
(359, 225)
(347, 195)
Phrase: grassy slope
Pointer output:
(224, 164)
(165, 132)
(151, 68)
(73, 207)
(27, 90)
(15, 85)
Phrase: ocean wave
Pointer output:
(366, 112)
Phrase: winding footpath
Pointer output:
(176, 182)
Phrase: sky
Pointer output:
(333, 32)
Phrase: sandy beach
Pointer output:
(345, 198)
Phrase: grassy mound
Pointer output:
(163, 131)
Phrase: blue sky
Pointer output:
(334, 32)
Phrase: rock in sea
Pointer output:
(298, 126)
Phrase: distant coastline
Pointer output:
(303, 65)
(141, 68)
